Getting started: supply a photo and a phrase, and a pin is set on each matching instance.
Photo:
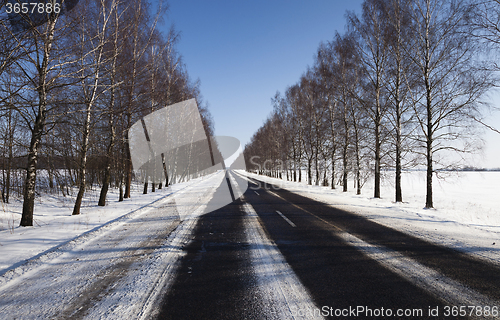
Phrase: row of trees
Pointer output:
(401, 88)
(71, 88)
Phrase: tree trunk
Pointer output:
(309, 171)
(345, 149)
(111, 111)
(37, 131)
(165, 166)
(107, 169)
(29, 185)
(397, 100)
(399, 193)
(300, 173)
(85, 143)
(51, 176)
(429, 138)
(376, 193)
(333, 133)
(333, 168)
(294, 164)
(344, 175)
(30, 182)
(428, 197)
(121, 192)
(358, 155)
(317, 168)
(83, 162)
(128, 163)
(133, 78)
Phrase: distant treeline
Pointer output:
(478, 169)
(94, 162)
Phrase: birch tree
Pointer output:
(372, 52)
(110, 110)
(326, 65)
(449, 81)
(93, 31)
(400, 78)
(39, 64)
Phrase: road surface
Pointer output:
(345, 266)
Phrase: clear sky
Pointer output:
(244, 51)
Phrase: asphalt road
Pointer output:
(212, 279)
(344, 261)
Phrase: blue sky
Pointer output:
(244, 51)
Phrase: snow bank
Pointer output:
(54, 225)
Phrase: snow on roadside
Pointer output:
(111, 272)
(54, 225)
(466, 215)
(139, 293)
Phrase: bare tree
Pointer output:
(372, 52)
(93, 39)
(44, 62)
(111, 103)
(485, 24)
(293, 98)
(399, 80)
(138, 40)
(409, 67)
(346, 81)
(449, 82)
(326, 64)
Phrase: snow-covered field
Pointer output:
(466, 213)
